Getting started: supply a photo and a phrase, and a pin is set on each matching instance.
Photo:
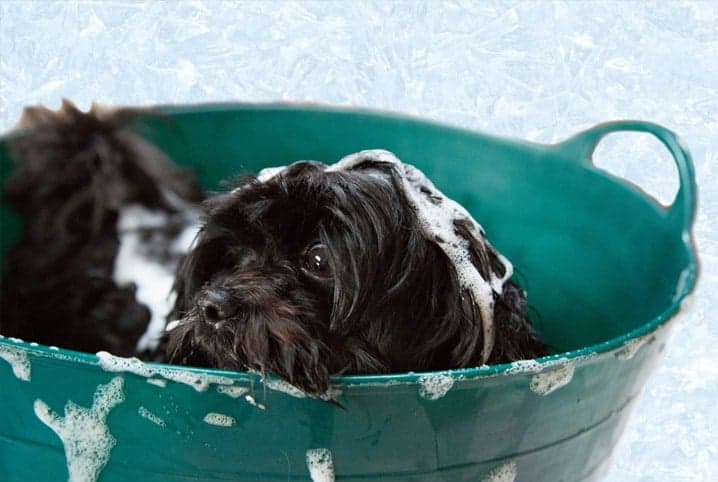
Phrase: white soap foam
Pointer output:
(436, 215)
(632, 347)
(158, 382)
(503, 473)
(232, 390)
(154, 279)
(524, 366)
(219, 419)
(551, 380)
(283, 386)
(84, 431)
(18, 360)
(250, 399)
(435, 386)
(320, 465)
(200, 382)
(151, 416)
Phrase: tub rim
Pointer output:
(578, 147)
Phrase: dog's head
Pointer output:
(316, 271)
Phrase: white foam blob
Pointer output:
(551, 380)
(320, 465)
(251, 400)
(232, 390)
(200, 382)
(84, 431)
(505, 472)
(158, 382)
(151, 416)
(219, 419)
(18, 360)
(435, 386)
(436, 214)
(284, 387)
(153, 277)
(524, 366)
(632, 347)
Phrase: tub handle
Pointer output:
(683, 210)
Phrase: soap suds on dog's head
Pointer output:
(437, 215)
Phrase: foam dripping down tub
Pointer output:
(605, 266)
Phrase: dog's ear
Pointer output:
(515, 338)
(465, 315)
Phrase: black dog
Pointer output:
(100, 207)
(362, 267)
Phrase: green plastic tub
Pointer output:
(605, 266)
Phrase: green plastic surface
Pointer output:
(605, 266)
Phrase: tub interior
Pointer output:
(596, 259)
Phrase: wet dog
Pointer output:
(106, 218)
(360, 267)
(305, 272)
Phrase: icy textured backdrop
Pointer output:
(539, 71)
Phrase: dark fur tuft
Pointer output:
(393, 304)
(74, 171)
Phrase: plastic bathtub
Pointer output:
(605, 266)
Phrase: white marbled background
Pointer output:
(533, 70)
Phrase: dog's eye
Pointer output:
(317, 261)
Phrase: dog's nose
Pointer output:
(217, 305)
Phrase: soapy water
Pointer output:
(549, 381)
(219, 419)
(18, 360)
(506, 472)
(320, 465)
(436, 214)
(435, 386)
(84, 432)
(145, 413)
(232, 391)
(200, 382)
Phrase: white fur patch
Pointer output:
(153, 277)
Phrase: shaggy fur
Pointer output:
(314, 273)
(309, 274)
(74, 172)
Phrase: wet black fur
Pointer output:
(73, 173)
(394, 303)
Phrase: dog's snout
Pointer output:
(217, 305)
